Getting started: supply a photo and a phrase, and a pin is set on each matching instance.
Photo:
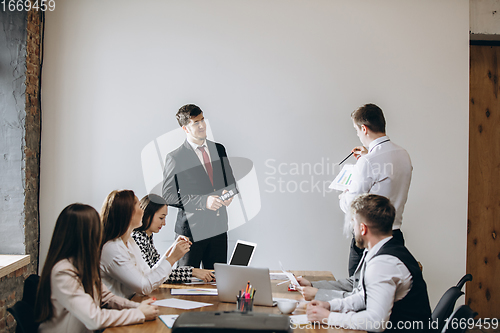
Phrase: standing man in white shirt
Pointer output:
(382, 168)
(392, 293)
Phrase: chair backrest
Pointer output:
(25, 317)
(30, 287)
(446, 304)
(459, 320)
(465, 278)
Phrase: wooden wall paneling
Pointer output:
(483, 225)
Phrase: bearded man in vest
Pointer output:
(392, 294)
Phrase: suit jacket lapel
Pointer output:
(216, 164)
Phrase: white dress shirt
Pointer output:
(76, 311)
(124, 271)
(385, 170)
(199, 153)
(386, 280)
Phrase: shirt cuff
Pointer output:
(164, 266)
(335, 305)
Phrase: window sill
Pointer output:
(11, 263)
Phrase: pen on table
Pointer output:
(352, 152)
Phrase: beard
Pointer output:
(360, 243)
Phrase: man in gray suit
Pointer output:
(195, 176)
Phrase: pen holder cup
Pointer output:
(244, 304)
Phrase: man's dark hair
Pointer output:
(187, 112)
(371, 116)
(377, 212)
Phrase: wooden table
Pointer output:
(157, 326)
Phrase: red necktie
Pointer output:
(208, 165)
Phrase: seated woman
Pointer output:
(123, 270)
(155, 210)
(71, 296)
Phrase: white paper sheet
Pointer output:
(343, 179)
(168, 320)
(299, 319)
(180, 304)
(195, 282)
(195, 291)
(278, 276)
(289, 276)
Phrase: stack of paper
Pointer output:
(180, 304)
(194, 291)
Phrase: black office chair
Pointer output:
(25, 317)
(30, 287)
(446, 304)
(24, 310)
(458, 321)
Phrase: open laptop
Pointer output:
(232, 279)
(242, 253)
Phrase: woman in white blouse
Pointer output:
(155, 211)
(71, 296)
(123, 270)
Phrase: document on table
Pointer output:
(168, 320)
(343, 179)
(278, 276)
(195, 282)
(195, 291)
(299, 319)
(180, 304)
(289, 276)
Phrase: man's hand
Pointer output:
(318, 311)
(308, 292)
(214, 203)
(303, 282)
(228, 201)
(359, 151)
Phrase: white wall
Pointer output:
(278, 80)
(485, 17)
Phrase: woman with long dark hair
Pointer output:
(71, 296)
(123, 269)
(155, 211)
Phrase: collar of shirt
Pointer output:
(198, 152)
(376, 248)
(195, 145)
(376, 142)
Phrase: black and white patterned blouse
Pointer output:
(151, 256)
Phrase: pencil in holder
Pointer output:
(244, 304)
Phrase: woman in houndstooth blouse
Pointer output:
(155, 211)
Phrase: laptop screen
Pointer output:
(242, 253)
